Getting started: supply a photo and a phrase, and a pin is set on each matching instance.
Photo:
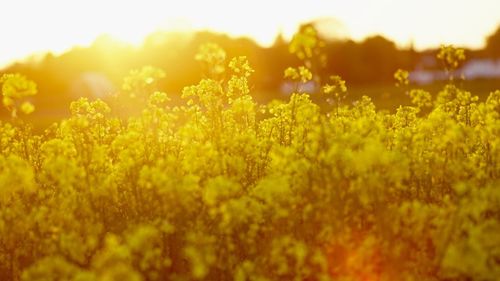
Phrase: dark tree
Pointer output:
(493, 44)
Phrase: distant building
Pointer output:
(472, 69)
(481, 68)
(423, 77)
(289, 87)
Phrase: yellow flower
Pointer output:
(27, 107)
(401, 77)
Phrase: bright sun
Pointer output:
(57, 25)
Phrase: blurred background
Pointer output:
(77, 49)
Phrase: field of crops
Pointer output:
(224, 188)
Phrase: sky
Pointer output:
(34, 26)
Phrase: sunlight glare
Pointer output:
(58, 25)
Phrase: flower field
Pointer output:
(224, 188)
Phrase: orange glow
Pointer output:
(358, 257)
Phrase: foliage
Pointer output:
(401, 77)
(222, 188)
(15, 90)
(451, 57)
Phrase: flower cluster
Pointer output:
(16, 89)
